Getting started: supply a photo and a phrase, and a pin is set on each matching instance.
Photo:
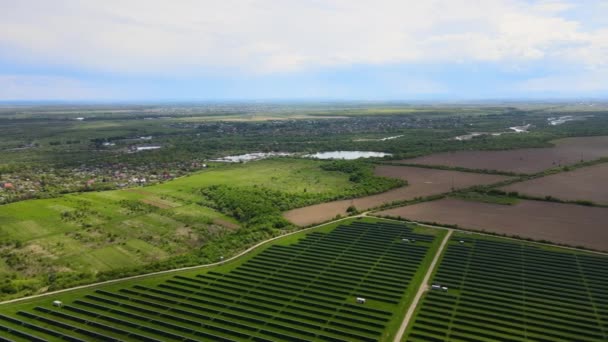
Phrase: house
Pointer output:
(57, 303)
(360, 300)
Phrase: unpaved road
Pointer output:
(422, 289)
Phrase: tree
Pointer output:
(352, 210)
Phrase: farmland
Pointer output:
(49, 150)
(73, 238)
(422, 182)
(565, 152)
(568, 224)
(512, 291)
(301, 288)
(81, 204)
(584, 184)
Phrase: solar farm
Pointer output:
(351, 283)
(500, 290)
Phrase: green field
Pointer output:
(70, 239)
(299, 288)
(286, 175)
(500, 290)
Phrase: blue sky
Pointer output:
(135, 50)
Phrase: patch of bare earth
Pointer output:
(588, 183)
(568, 224)
(421, 183)
(36, 249)
(183, 232)
(530, 160)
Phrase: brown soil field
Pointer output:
(530, 160)
(587, 183)
(422, 182)
(569, 224)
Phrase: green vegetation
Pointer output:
(46, 150)
(74, 239)
(513, 291)
(514, 196)
(301, 287)
(489, 197)
(362, 174)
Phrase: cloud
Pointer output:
(198, 37)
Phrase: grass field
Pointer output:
(300, 288)
(94, 232)
(288, 175)
(501, 290)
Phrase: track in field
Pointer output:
(301, 292)
(509, 291)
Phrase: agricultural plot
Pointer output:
(513, 291)
(304, 291)
(531, 160)
(422, 182)
(100, 231)
(80, 235)
(584, 184)
(569, 224)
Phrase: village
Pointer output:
(47, 183)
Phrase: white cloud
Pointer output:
(264, 36)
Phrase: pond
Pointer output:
(349, 155)
(147, 148)
(242, 158)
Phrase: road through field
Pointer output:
(422, 289)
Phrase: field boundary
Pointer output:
(461, 230)
(423, 287)
(188, 268)
(454, 168)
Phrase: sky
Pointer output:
(149, 50)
